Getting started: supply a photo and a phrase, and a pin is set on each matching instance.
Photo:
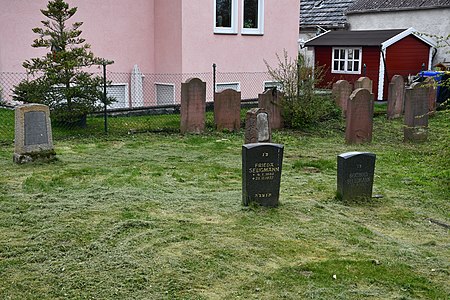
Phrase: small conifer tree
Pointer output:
(60, 78)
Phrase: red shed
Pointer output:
(377, 54)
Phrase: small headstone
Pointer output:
(355, 176)
(257, 126)
(416, 113)
(271, 101)
(364, 83)
(227, 110)
(430, 84)
(193, 106)
(261, 173)
(341, 91)
(359, 121)
(396, 97)
(33, 134)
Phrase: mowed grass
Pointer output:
(159, 216)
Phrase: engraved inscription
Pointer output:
(35, 128)
(358, 178)
(263, 171)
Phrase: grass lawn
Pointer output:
(159, 216)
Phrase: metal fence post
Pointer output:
(214, 81)
(105, 116)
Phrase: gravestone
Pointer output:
(355, 176)
(257, 126)
(193, 106)
(396, 97)
(359, 121)
(227, 110)
(33, 134)
(416, 113)
(341, 91)
(261, 173)
(270, 100)
(430, 85)
(364, 83)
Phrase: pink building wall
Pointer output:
(123, 33)
(161, 36)
(237, 52)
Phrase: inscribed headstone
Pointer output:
(396, 97)
(193, 106)
(430, 84)
(341, 91)
(359, 121)
(271, 101)
(33, 133)
(227, 110)
(355, 175)
(261, 173)
(257, 126)
(416, 113)
(364, 83)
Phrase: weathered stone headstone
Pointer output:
(261, 173)
(33, 134)
(193, 106)
(257, 126)
(359, 121)
(364, 83)
(396, 97)
(341, 91)
(355, 176)
(430, 85)
(270, 100)
(227, 110)
(416, 113)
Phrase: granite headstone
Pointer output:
(355, 173)
(261, 173)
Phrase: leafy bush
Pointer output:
(302, 105)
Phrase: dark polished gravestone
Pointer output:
(33, 134)
(355, 176)
(261, 173)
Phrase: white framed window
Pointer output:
(119, 92)
(347, 60)
(220, 87)
(252, 17)
(165, 93)
(271, 84)
(225, 16)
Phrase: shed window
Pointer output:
(347, 60)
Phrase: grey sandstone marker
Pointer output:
(33, 134)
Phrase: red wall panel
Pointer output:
(370, 57)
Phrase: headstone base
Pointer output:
(23, 158)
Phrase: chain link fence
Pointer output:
(141, 102)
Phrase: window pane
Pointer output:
(342, 66)
(350, 54)
(356, 54)
(336, 54)
(223, 13)
(336, 65)
(250, 13)
(356, 66)
(349, 66)
(342, 56)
